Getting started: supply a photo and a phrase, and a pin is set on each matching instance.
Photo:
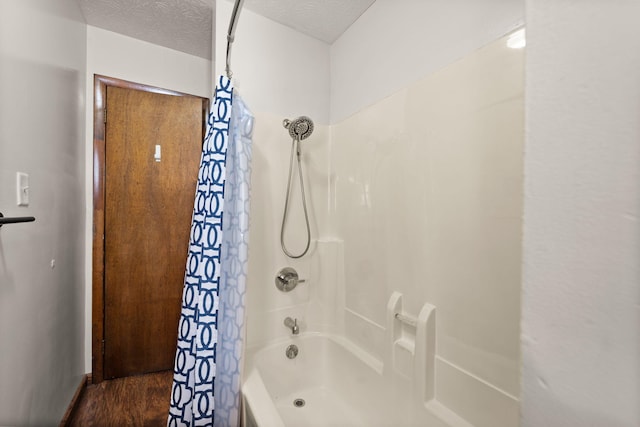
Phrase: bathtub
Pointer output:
(331, 382)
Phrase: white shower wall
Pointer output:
(427, 196)
(267, 307)
(281, 74)
(418, 192)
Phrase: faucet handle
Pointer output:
(287, 279)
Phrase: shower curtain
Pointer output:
(206, 381)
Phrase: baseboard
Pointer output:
(68, 415)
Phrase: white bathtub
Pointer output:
(340, 384)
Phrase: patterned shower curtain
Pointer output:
(208, 361)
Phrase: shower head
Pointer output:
(300, 128)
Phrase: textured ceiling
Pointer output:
(185, 25)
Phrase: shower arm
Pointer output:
(232, 33)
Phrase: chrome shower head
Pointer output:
(300, 128)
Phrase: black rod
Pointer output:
(15, 220)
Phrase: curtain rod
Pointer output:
(231, 33)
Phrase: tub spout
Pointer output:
(293, 324)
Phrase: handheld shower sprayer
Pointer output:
(299, 129)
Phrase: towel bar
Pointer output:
(15, 220)
(407, 319)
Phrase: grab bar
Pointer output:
(15, 220)
(407, 319)
(232, 33)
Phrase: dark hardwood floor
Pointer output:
(133, 401)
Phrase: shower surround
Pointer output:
(420, 193)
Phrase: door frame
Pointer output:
(99, 105)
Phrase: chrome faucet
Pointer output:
(287, 279)
(293, 324)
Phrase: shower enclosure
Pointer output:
(413, 186)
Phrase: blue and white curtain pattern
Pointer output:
(206, 378)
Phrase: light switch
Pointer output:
(22, 189)
(158, 153)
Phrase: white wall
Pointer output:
(126, 58)
(396, 42)
(114, 55)
(281, 74)
(276, 69)
(42, 82)
(581, 292)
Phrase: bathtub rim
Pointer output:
(258, 403)
(256, 398)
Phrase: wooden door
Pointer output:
(148, 204)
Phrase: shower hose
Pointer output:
(295, 147)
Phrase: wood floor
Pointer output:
(134, 401)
